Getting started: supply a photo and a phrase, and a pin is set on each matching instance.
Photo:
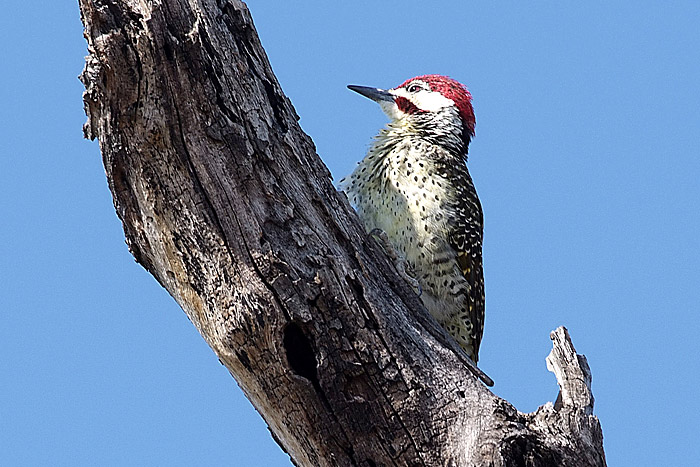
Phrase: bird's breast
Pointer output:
(404, 194)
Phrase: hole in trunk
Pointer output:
(300, 353)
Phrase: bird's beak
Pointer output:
(377, 95)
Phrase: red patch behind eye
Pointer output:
(406, 106)
(452, 90)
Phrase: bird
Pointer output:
(414, 187)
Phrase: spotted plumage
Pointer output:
(414, 185)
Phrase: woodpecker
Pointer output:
(414, 185)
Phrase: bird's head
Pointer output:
(435, 105)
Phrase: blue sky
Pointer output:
(586, 162)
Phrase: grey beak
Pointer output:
(377, 95)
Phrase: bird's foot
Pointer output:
(399, 263)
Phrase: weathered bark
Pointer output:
(225, 202)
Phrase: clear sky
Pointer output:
(586, 162)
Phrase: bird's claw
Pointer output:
(399, 262)
(400, 265)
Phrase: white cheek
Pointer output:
(391, 110)
(425, 100)
(431, 101)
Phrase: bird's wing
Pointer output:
(466, 238)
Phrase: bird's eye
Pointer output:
(414, 88)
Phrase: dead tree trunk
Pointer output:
(225, 202)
